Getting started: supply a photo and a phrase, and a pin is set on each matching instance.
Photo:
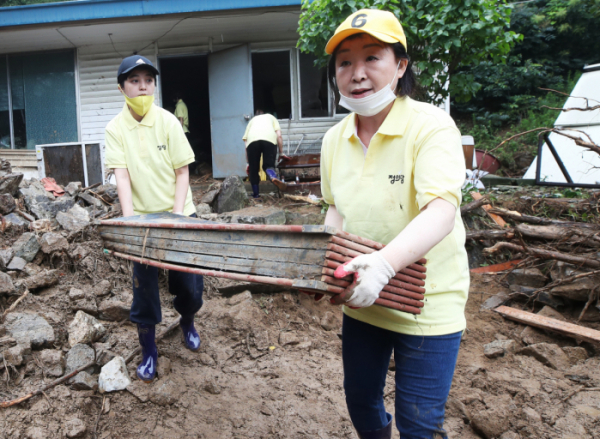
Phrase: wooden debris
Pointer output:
(497, 219)
(476, 203)
(316, 202)
(498, 267)
(544, 254)
(564, 328)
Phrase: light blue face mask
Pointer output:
(372, 104)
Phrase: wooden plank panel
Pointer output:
(254, 266)
(543, 322)
(237, 250)
(265, 239)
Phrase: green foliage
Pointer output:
(442, 36)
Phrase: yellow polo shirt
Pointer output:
(182, 111)
(415, 157)
(150, 150)
(262, 127)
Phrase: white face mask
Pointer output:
(372, 104)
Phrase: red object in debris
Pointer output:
(490, 163)
(497, 267)
(51, 186)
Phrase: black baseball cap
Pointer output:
(134, 61)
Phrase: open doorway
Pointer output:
(188, 75)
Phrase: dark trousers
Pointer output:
(269, 153)
(186, 287)
(424, 370)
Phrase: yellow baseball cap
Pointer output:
(382, 25)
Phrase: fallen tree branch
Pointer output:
(491, 234)
(544, 254)
(15, 303)
(474, 205)
(92, 363)
(516, 216)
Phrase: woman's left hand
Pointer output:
(371, 273)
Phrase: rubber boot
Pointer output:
(382, 433)
(255, 191)
(191, 338)
(272, 175)
(146, 371)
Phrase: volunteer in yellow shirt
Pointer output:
(146, 147)
(392, 171)
(181, 113)
(262, 137)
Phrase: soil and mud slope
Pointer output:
(270, 362)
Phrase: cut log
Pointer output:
(545, 254)
(491, 234)
(564, 234)
(474, 205)
(516, 216)
(564, 328)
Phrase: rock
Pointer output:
(329, 322)
(74, 428)
(103, 288)
(165, 392)
(239, 298)
(73, 188)
(6, 254)
(84, 381)
(114, 376)
(210, 217)
(495, 301)
(256, 215)
(52, 360)
(9, 184)
(85, 329)
(212, 387)
(578, 289)
(163, 366)
(36, 433)
(26, 246)
(113, 310)
(210, 196)
(494, 421)
(76, 294)
(531, 416)
(75, 219)
(44, 279)
(287, 338)
(7, 204)
(41, 206)
(499, 348)
(203, 209)
(13, 219)
(79, 356)
(527, 277)
(42, 225)
(233, 195)
(87, 305)
(531, 335)
(12, 356)
(542, 297)
(92, 201)
(54, 242)
(31, 327)
(295, 218)
(6, 284)
(206, 359)
(548, 354)
(575, 354)
(510, 435)
(140, 390)
(32, 269)
(16, 264)
(103, 353)
(79, 252)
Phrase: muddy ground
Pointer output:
(270, 367)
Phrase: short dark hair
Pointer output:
(121, 79)
(406, 85)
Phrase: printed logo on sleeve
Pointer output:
(161, 147)
(395, 178)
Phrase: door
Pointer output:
(231, 106)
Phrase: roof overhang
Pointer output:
(92, 10)
(130, 25)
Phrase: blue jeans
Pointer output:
(424, 370)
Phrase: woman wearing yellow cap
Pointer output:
(392, 171)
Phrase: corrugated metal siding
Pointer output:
(100, 100)
(311, 133)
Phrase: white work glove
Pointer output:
(371, 273)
